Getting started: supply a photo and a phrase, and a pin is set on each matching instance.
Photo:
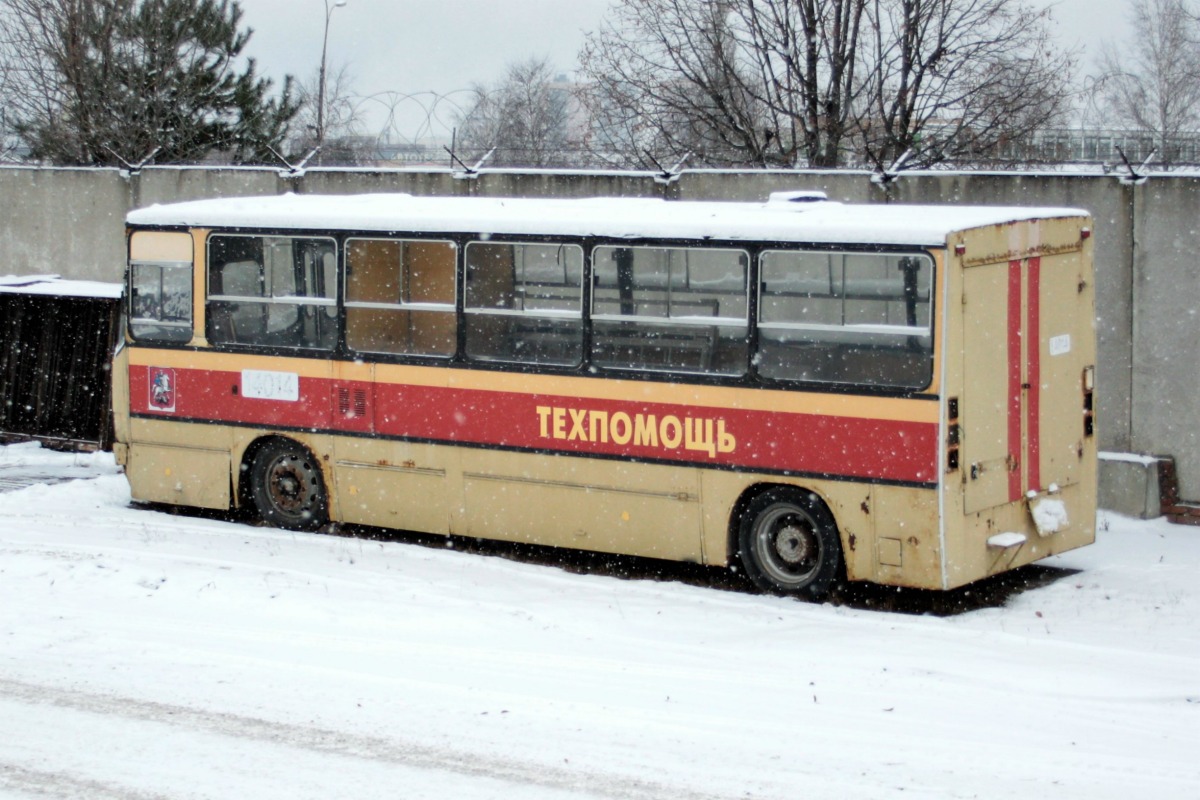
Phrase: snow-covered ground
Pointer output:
(149, 655)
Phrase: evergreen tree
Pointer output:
(108, 82)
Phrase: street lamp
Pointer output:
(329, 9)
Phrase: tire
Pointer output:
(788, 544)
(286, 487)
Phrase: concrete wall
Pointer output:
(1165, 289)
(1148, 291)
(61, 221)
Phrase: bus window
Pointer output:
(853, 318)
(274, 291)
(524, 302)
(400, 296)
(670, 308)
(161, 301)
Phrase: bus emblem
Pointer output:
(162, 389)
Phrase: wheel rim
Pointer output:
(788, 545)
(292, 486)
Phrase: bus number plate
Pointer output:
(263, 385)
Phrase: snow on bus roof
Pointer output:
(778, 220)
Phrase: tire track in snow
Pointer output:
(318, 740)
(62, 786)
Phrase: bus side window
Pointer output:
(268, 291)
(850, 318)
(400, 296)
(524, 302)
(160, 299)
(670, 309)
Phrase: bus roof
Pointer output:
(781, 219)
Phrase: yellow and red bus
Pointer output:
(805, 390)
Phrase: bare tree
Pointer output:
(819, 82)
(805, 54)
(342, 119)
(741, 82)
(8, 136)
(1152, 81)
(955, 79)
(524, 118)
(120, 81)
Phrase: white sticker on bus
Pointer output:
(262, 385)
(1060, 345)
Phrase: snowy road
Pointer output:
(145, 655)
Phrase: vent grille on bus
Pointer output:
(352, 403)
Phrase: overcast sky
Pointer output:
(416, 47)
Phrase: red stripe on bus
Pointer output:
(903, 451)
(213, 395)
(871, 449)
(1033, 404)
(1014, 380)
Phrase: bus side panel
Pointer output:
(907, 544)
(583, 503)
(180, 463)
(185, 476)
(395, 484)
(384, 482)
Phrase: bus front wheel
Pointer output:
(286, 487)
(788, 543)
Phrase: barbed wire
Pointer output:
(437, 114)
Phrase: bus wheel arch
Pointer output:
(787, 541)
(281, 480)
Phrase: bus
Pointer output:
(808, 391)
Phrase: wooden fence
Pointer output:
(55, 359)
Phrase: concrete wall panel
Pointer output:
(173, 184)
(432, 182)
(841, 186)
(1166, 348)
(63, 221)
(567, 184)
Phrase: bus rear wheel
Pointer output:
(788, 544)
(286, 487)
